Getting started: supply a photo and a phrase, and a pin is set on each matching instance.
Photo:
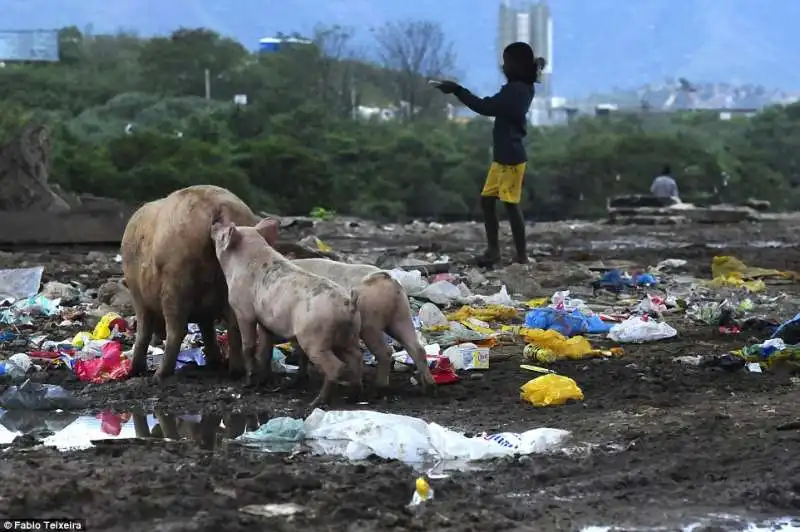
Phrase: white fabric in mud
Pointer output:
(358, 434)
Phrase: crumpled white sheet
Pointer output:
(357, 434)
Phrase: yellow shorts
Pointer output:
(504, 182)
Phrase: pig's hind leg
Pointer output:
(353, 359)
(145, 327)
(373, 339)
(177, 321)
(402, 330)
(331, 367)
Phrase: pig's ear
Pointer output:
(229, 236)
(268, 229)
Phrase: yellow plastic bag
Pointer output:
(550, 390)
(478, 326)
(537, 302)
(562, 347)
(726, 266)
(735, 280)
(103, 328)
(487, 313)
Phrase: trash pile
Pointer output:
(359, 434)
(464, 332)
(99, 355)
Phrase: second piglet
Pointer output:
(273, 298)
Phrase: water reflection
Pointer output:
(71, 432)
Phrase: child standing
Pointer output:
(509, 107)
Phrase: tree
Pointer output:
(178, 64)
(414, 52)
(129, 119)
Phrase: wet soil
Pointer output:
(673, 442)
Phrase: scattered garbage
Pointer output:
(278, 429)
(422, 492)
(16, 367)
(550, 390)
(272, 510)
(20, 283)
(468, 356)
(37, 396)
(638, 329)
(358, 434)
(111, 366)
(444, 292)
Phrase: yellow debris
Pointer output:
(487, 313)
(550, 390)
(537, 302)
(562, 347)
(726, 266)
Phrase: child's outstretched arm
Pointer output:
(511, 100)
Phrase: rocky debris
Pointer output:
(116, 295)
(67, 293)
(24, 168)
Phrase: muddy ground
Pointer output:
(675, 442)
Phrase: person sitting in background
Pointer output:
(664, 186)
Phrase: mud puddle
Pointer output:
(658, 243)
(347, 435)
(70, 432)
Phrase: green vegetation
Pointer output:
(298, 145)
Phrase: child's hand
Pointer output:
(448, 87)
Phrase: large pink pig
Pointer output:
(272, 298)
(173, 274)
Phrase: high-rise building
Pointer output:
(530, 22)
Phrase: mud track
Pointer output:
(672, 442)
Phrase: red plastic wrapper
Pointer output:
(111, 366)
(443, 372)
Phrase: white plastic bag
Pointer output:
(441, 293)
(500, 298)
(638, 330)
(20, 283)
(357, 434)
(411, 281)
(431, 316)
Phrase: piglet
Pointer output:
(272, 298)
(384, 308)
